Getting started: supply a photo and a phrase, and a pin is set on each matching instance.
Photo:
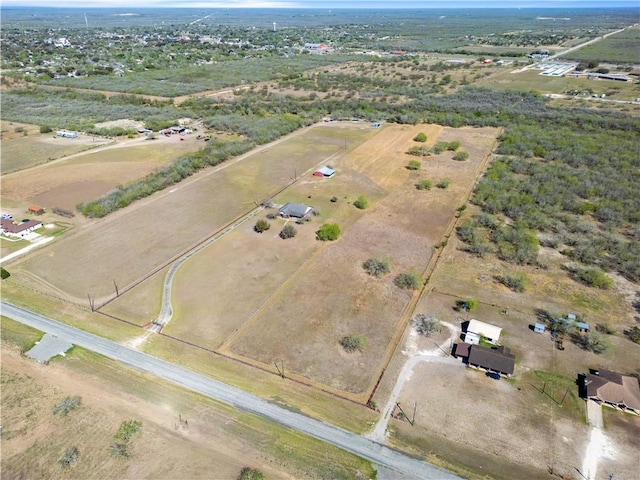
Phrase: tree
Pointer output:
(421, 137)
(426, 324)
(351, 343)
(468, 305)
(288, 231)
(453, 146)
(45, 129)
(408, 281)
(516, 282)
(424, 184)
(461, 156)
(262, 226)
(328, 231)
(361, 202)
(593, 341)
(413, 165)
(377, 266)
(248, 473)
(444, 183)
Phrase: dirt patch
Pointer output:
(123, 123)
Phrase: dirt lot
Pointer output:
(182, 435)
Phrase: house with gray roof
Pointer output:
(295, 210)
(614, 390)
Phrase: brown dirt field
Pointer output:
(334, 297)
(182, 435)
(67, 183)
(139, 238)
(487, 426)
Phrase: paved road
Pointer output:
(376, 453)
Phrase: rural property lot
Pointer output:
(130, 243)
(331, 296)
(83, 177)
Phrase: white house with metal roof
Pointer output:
(477, 329)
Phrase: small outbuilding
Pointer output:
(36, 210)
(295, 210)
(326, 172)
(486, 330)
(539, 328)
(64, 134)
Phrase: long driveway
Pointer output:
(372, 451)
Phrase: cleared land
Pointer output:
(83, 177)
(138, 239)
(24, 146)
(183, 435)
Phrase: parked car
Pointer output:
(6, 216)
(494, 375)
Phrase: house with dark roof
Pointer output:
(499, 359)
(295, 210)
(614, 390)
(20, 230)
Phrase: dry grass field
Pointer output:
(27, 147)
(141, 237)
(183, 435)
(86, 176)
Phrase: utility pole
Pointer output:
(116, 285)
(90, 302)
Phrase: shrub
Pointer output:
(328, 231)
(377, 266)
(461, 156)
(468, 305)
(261, 226)
(361, 202)
(68, 457)
(592, 341)
(421, 137)
(418, 151)
(453, 146)
(4, 274)
(251, 474)
(334, 199)
(605, 328)
(426, 325)
(439, 147)
(444, 183)
(45, 129)
(516, 282)
(424, 184)
(414, 165)
(288, 231)
(66, 405)
(592, 276)
(128, 429)
(633, 334)
(408, 281)
(119, 450)
(351, 343)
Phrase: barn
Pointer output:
(36, 210)
(326, 172)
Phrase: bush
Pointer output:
(128, 429)
(592, 276)
(421, 137)
(120, 450)
(418, 151)
(424, 184)
(351, 343)
(251, 474)
(592, 341)
(439, 147)
(468, 305)
(4, 274)
(453, 146)
(408, 281)
(334, 199)
(66, 405)
(426, 325)
(516, 282)
(461, 156)
(361, 202)
(288, 231)
(444, 183)
(69, 456)
(633, 334)
(45, 129)
(261, 226)
(414, 165)
(377, 266)
(328, 231)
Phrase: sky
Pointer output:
(422, 4)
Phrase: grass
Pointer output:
(18, 334)
(619, 48)
(554, 386)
